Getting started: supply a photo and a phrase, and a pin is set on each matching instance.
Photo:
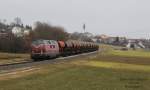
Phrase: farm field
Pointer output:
(6, 58)
(108, 70)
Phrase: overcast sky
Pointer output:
(129, 18)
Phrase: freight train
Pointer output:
(45, 49)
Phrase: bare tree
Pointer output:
(46, 31)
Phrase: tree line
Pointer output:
(10, 42)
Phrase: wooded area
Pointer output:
(10, 42)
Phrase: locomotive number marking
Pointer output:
(52, 46)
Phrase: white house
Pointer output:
(19, 32)
(135, 44)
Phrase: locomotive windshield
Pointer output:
(38, 42)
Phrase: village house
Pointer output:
(19, 32)
(135, 43)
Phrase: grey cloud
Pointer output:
(114, 17)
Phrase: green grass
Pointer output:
(80, 78)
(108, 49)
(131, 53)
(110, 70)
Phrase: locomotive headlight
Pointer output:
(32, 51)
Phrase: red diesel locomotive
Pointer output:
(41, 49)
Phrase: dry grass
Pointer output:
(6, 58)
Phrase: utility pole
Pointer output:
(84, 27)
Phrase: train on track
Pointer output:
(46, 49)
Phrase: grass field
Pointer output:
(6, 58)
(107, 70)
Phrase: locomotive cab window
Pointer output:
(49, 42)
(53, 42)
(46, 42)
(37, 42)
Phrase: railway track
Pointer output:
(32, 63)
